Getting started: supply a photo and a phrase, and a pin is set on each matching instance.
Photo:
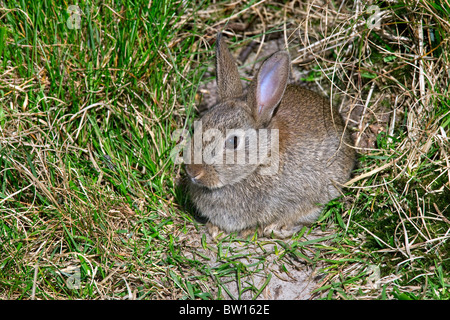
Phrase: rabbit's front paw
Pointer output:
(281, 232)
(250, 232)
(212, 229)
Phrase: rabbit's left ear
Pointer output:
(228, 80)
(267, 88)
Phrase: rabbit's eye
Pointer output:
(232, 142)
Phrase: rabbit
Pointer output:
(311, 159)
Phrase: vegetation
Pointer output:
(90, 202)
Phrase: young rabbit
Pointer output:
(302, 159)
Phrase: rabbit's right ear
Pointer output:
(228, 80)
(267, 88)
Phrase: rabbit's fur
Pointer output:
(315, 154)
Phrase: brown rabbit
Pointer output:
(295, 153)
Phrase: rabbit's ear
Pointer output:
(228, 81)
(267, 88)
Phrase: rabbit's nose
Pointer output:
(195, 171)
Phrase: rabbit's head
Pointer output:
(233, 139)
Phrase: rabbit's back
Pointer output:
(312, 134)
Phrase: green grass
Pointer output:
(88, 168)
(88, 190)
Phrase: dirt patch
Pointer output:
(271, 269)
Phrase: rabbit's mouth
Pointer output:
(195, 172)
(201, 176)
(206, 183)
(197, 179)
